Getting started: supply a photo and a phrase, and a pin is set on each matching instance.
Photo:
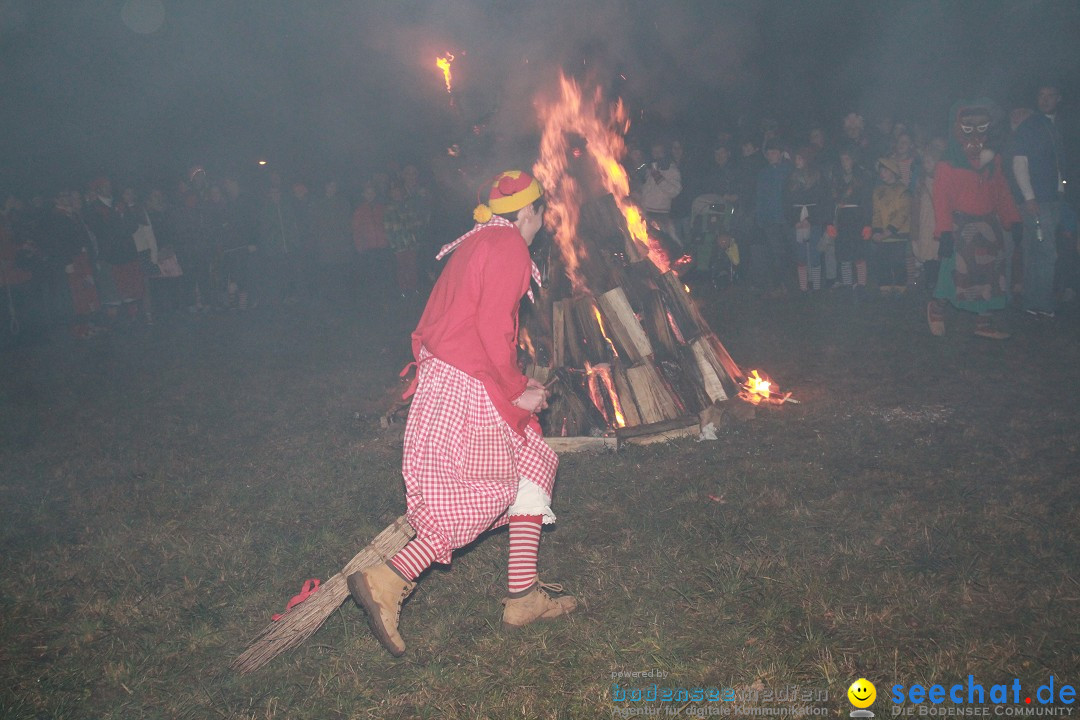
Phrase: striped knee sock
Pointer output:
(845, 273)
(413, 559)
(815, 277)
(524, 546)
(860, 272)
(803, 282)
(912, 268)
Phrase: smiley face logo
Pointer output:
(862, 693)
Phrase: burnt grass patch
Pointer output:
(165, 491)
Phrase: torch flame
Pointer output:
(443, 63)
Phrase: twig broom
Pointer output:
(301, 622)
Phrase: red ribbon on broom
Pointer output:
(310, 586)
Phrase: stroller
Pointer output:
(712, 246)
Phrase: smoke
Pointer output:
(507, 54)
(912, 60)
(338, 86)
(668, 63)
(143, 16)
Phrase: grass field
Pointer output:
(164, 492)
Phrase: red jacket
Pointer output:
(471, 318)
(971, 192)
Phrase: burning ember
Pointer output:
(443, 63)
(603, 395)
(603, 331)
(758, 390)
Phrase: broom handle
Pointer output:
(301, 622)
(385, 545)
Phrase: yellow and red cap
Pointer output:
(510, 191)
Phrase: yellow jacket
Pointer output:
(892, 212)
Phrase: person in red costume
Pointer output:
(972, 207)
(474, 457)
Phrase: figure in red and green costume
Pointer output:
(972, 205)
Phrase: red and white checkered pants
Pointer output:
(462, 461)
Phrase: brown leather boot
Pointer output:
(537, 604)
(380, 591)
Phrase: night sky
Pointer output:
(327, 87)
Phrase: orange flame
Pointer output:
(602, 127)
(603, 331)
(758, 389)
(675, 328)
(757, 385)
(526, 343)
(597, 375)
(443, 63)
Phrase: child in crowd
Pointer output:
(772, 251)
(924, 244)
(891, 229)
(851, 191)
(400, 226)
(808, 209)
(369, 238)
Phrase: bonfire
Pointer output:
(615, 331)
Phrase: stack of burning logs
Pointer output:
(629, 355)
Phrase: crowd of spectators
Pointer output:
(801, 212)
(784, 213)
(95, 259)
